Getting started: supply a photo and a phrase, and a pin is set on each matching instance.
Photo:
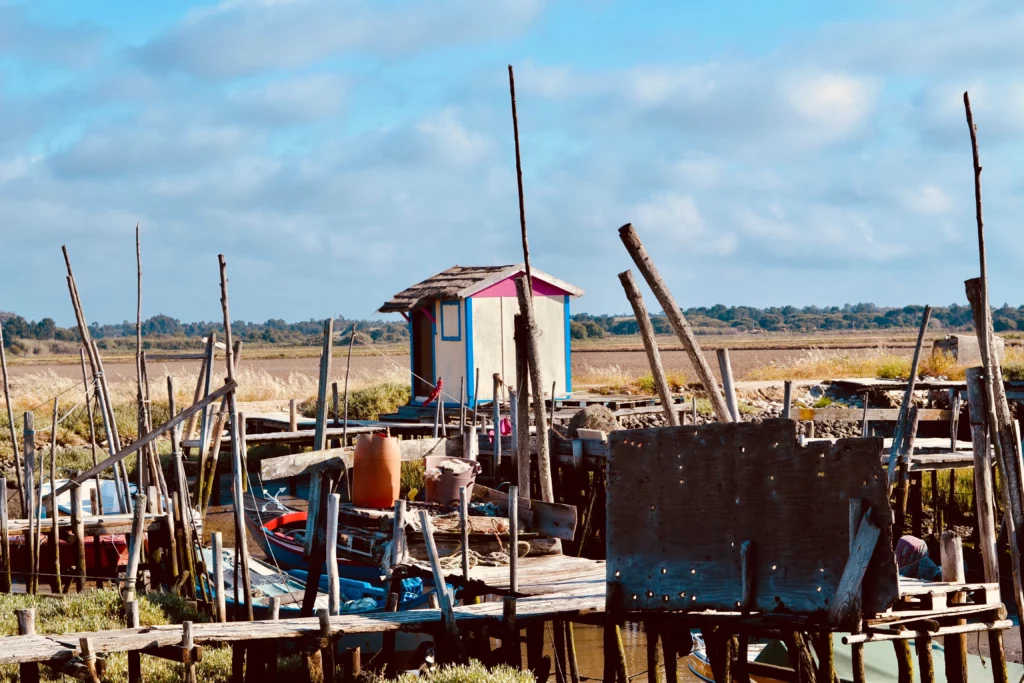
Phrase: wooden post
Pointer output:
(78, 529)
(131, 611)
(513, 653)
(331, 547)
(326, 645)
(217, 540)
(293, 416)
(904, 661)
(238, 464)
(865, 429)
(10, 421)
(271, 645)
(28, 496)
(95, 509)
(513, 539)
(547, 490)
(903, 419)
(694, 410)
(856, 649)
(5, 540)
(905, 452)
(1002, 438)
(135, 547)
(984, 492)
(447, 611)
(522, 412)
(55, 581)
(496, 417)
(319, 436)
(728, 386)
(470, 443)
(787, 399)
(519, 178)
(318, 551)
(389, 639)
(558, 647)
(89, 659)
(398, 544)
(353, 665)
(464, 527)
(570, 650)
(28, 672)
(636, 300)
(952, 556)
(675, 317)
(923, 645)
(462, 405)
(654, 663)
(188, 644)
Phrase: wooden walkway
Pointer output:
(573, 599)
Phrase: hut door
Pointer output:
(422, 354)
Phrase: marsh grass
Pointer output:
(103, 610)
(474, 672)
(613, 379)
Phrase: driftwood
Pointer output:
(302, 464)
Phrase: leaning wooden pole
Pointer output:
(547, 490)
(54, 511)
(10, 420)
(522, 448)
(237, 462)
(636, 300)
(519, 179)
(902, 419)
(675, 318)
(92, 435)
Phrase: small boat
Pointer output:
(280, 532)
(111, 501)
(700, 665)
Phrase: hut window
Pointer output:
(451, 321)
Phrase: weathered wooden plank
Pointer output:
(871, 414)
(844, 604)
(335, 458)
(681, 501)
(555, 520)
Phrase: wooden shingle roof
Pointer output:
(459, 282)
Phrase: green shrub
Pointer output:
(368, 403)
(474, 672)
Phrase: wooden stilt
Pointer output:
(5, 539)
(89, 659)
(923, 645)
(952, 555)
(535, 650)
(135, 547)
(10, 423)
(904, 662)
(29, 672)
(653, 632)
(997, 657)
(131, 609)
(558, 646)
(55, 581)
(78, 529)
(522, 413)
(512, 652)
(547, 491)
(389, 639)
(352, 665)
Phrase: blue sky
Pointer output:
(337, 151)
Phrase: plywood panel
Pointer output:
(682, 501)
(550, 312)
(489, 343)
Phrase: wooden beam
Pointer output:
(675, 317)
(302, 464)
(844, 605)
(148, 438)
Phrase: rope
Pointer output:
(50, 400)
(457, 399)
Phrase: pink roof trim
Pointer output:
(507, 288)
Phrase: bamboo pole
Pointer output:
(547, 490)
(675, 317)
(636, 300)
(241, 539)
(10, 420)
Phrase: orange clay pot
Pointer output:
(376, 471)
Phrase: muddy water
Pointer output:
(590, 652)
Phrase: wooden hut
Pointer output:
(462, 319)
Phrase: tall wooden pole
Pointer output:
(237, 463)
(728, 385)
(519, 179)
(547, 491)
(899, 438)
(675, 317)
(521, 411)
(98, 510)
(143, 421)
(54, 512)
(636, 300)
(10, 420)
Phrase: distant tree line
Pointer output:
(722, 319)
(163, 327)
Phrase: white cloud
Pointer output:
(927, 200)
(675, 220)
